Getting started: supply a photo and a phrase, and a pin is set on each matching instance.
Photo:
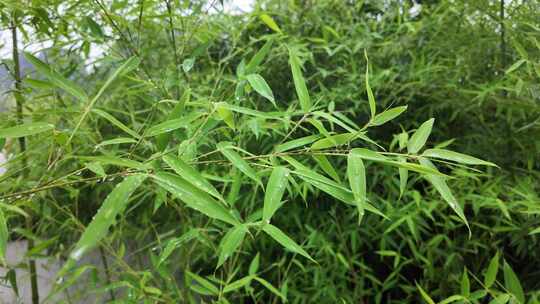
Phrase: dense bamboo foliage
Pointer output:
(302, 151)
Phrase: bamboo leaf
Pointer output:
(285, 241)
(455, 156)
(371, 98)
(116, 122)
(227, 150)
(356, 173)
(175, 243)
(295, 143)
(166, 127)
(55, 77)
(254, 265)
(299, 82)
(271, 288)
(4, 236)
(111, 160)
(511, 282)
(424, 295)
(208, 287)
(491, 273)
(113, 205)
(260, 86)
(274, 192)
(25, 130)
(465, 284)
(230, 243)
(238, 284)
(440, 185)
(419, 138)
(269, 21)
(387, 115)
(116, 141)
(258, 57)
(225, 114)
(193, 176)
(194, 198)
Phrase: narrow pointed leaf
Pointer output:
(455, 156)
(299, 82)
(258, 57)
(113, 205)
(166, 127)
(387, 115)
(356, 173)
(491, 273)
(195, 178)
(424, 295)
(260, 86)
(55, 77)
(25, 130)
(116, 122)
(371, 98)
(296, 143)
(269, 21)
(230, 243)
(511, 282)
(274, 192)
(227, 150)
(238, 284)
(285, 241)
(271, 288)
(419, 138)
(116, 141)
(194, 197)
(4, 236)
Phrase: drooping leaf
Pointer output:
(202, 286)
(455, 156)
(175, 243)
(356, 173)
(511, 282)
(419, 138)
(424, 295)
(162, 140)
(226, 115)
(285, 241)
(440, 185)
(25, 130)
(295, 143)
(193, 176)
(274, 192)
(228, 151)
(271, 288)
(238, 284)
(230, 243)
(113, 205)
(327, 167)
(55, 77)
(260, 86)
(194, 197)
(4, 235)
(299, 82)
(116, 122)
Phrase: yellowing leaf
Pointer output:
(269, 21)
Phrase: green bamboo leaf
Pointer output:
(113, 205)
(334, 140)
(387, 115)
(194, 197)
(166, 127)
(188, 173)
(503, 298)
(403, 177)
(269, 21)
(440, 185)
(535, 231)
(254, 265)
(258, 57)
(299, 82)
(116, 141)
(55, 77)
(207, 287)
(285, 241)
(230, 243)
(274, 192)
(225, 114)
(491, 273)
(371, 98)
(271, 288)
(162, 140)
(454, 298)
(96, 168)
(227, 150)
(455, 156)
(116, 122)
(356, 173)
(260, 86)
(238, 284)
(465, 284)
(419, 138)
(25, 130)
(424, 295)
(4, 236)
(512, 284)
(515, 66)
(175, 243)
(111, 160)
(327, 167)
(295, 143)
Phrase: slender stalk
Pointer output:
(22, 144)
(174, 48)
(503, 38)
(107, 271)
